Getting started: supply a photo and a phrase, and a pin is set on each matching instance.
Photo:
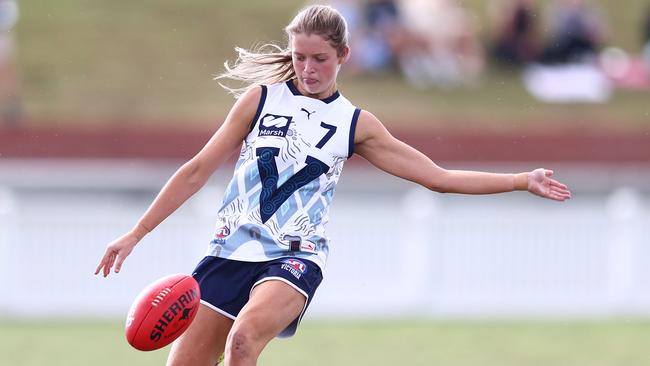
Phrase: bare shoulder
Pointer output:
(368, 127)
(246, 105)
(239, 119)
(252, 94)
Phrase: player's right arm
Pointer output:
(188, 179)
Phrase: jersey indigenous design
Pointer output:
(277, 203)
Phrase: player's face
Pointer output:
(316, 64)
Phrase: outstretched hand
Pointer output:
(541, 184)
(116, 253)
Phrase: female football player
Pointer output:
(294, 131)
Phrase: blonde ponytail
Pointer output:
(270, 63)
(267, 64)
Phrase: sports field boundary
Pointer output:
(440, 145)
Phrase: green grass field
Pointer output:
(410, 342)
(151, 63)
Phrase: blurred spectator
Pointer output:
(567, 83)
(444, 49)
(386, 41)
(625, 71)
(351, 11)
(375, 30)
(379, 38)
(629, 71)
(577, 31)
(432, 42)
(516, 39)
(9, 103)
(569, 71)
(383, 31)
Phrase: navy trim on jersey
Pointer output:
(297, 92)
(259, 108)
(353, 128)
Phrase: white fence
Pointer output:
(396, 249)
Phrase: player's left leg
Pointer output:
(273, 305)
(203, 342)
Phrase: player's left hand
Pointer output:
(541, 184)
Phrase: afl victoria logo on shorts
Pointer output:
(274, 125)
(294, 266)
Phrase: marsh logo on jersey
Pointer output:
(294, 266)
(274, 125)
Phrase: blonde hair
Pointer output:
(270, 63)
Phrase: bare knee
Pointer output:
(189, 352)
(203, 342)
(243, 345)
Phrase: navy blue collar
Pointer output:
(295, 91)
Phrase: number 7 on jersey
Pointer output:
(331, 130)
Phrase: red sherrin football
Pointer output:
(162, 312)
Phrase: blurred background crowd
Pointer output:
(437, 43)
(565, 50)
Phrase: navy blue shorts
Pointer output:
(226, 284)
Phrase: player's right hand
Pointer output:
(116, 253)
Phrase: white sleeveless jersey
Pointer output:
(277, 202)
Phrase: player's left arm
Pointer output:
(374, 143)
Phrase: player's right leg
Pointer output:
(203, 342)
